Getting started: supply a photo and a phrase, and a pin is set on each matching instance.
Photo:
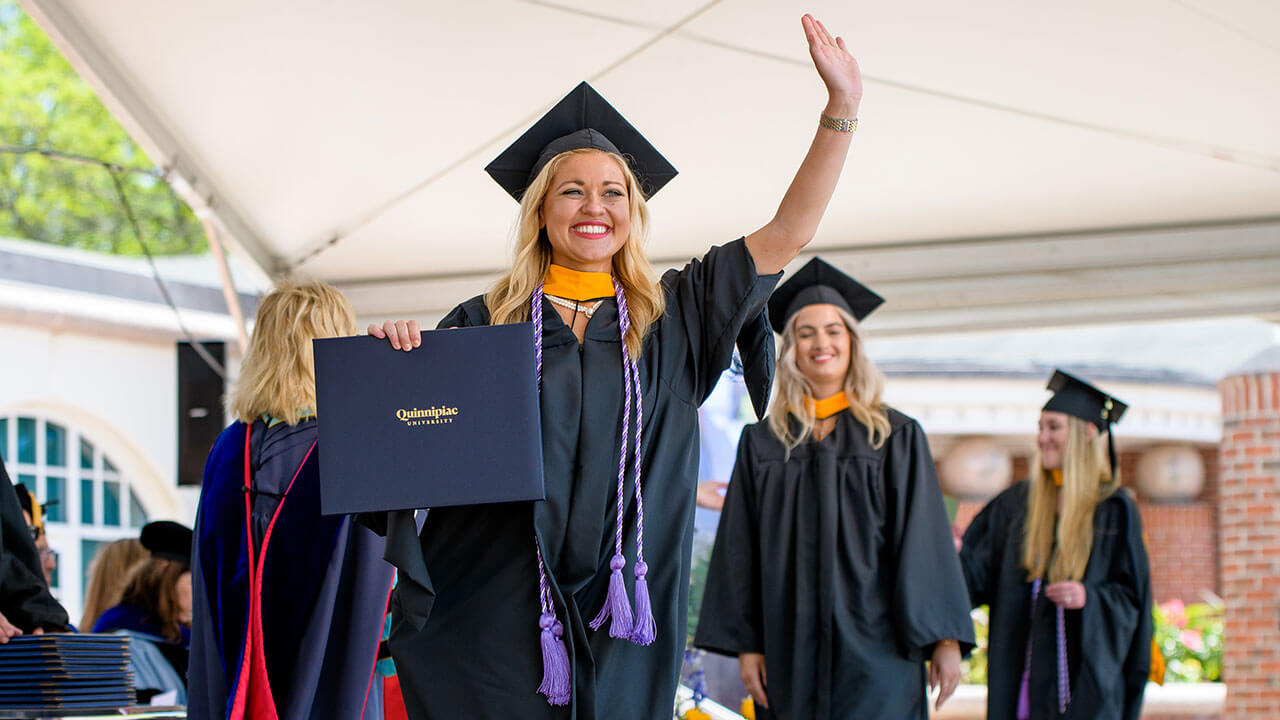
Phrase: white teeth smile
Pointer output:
(591, 229)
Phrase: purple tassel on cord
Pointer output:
(556, 684)
(645, 629)
(555, 662)
(615, 604)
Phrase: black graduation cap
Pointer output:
(818, 282)
(583, 119)
(167, 540)
(1079, 399)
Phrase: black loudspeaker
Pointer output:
(200, 415)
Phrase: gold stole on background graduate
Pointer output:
(828, 406)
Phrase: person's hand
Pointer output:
(711, 494)
(1068, 593)
(7, 629)
(751, 669)
(837, 68)
(944, 670)
(403, 335)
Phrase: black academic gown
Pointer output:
(1108, 640)
(25, 599)
(465, 634)
(836, 563)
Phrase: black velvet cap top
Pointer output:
(818, 282)
(1077, 398)
(583, 119)
(168, 540)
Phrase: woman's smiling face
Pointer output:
(823, 346)
(586, 212)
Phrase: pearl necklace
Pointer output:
(575, 306)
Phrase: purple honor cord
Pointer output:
(1064, 681)
(639, 627)
(557, 681)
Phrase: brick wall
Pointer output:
(1182, 545)
(1182, 538)
(1249, 535)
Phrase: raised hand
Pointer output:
(837, 68)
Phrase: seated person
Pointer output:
(155, 610)
(34, 515)
(107, 575)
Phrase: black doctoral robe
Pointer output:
(465, 634)
(25, 599)
(838, 564)
(1108, 640)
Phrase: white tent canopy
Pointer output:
(1017, 164)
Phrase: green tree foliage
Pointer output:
(46, 106)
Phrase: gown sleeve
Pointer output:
(759, 358)
(929, 598)
(1116, 620)
(730, 621)
(219, 579)
(980, 553)
(714, 299)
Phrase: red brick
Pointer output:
(1247, 494)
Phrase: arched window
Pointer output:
(88, 501)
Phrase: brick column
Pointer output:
(1249, 534)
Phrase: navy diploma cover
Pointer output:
(453, 422)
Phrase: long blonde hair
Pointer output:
(1086, 481)
(863, 385)
(278, 375)
(152, 586)
(107, 574)
(508, 300)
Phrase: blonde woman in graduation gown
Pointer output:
(834, 575)
(575, 607)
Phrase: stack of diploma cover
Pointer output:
(452, 422)
(59, 672)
